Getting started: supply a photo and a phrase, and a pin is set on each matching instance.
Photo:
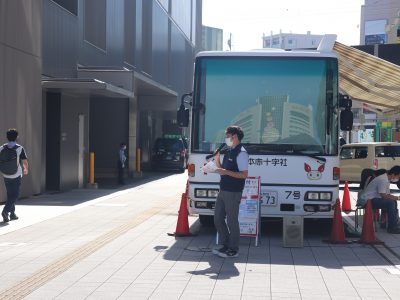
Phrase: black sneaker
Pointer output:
(5, 216)
(13, 216)
(229, 253)
(395, 230)
(217, 251)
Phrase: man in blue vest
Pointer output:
(233, 171)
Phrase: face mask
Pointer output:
(394, 180)
(229, 142)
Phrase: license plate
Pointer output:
(168, 157)
(269, 198)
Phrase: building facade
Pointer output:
(290, 41)
(212, 39)
(20, 89)
(380, 22)
(112, 71)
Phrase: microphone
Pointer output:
(216, 151)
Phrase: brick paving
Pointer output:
(140, 261)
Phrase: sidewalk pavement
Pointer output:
(116, 247)
(38, 208)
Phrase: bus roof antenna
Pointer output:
(327, 43)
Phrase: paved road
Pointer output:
(110, 244)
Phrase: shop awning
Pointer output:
(87, 86)
(367, 78)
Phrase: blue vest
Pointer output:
(229, 162)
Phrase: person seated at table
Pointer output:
(378, 191)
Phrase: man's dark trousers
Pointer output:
(391, 208)
(120, 173)
(12, 187)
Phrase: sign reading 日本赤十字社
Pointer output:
(249, 211)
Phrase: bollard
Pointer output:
(138, 167)
(92, 184)
(91, 168)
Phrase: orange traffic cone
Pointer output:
(337, 232)
(368, 232)
(346, 206)
(182, 225)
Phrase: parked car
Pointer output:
(358, 156)
(170, 154)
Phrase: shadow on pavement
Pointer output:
(107, 187)
(271, 250)
(214, 270)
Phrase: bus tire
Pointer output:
(207, 221)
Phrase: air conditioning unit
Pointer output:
(293, 229)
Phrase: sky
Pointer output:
(248, 20)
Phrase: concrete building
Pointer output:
(20, 89)
(289, 41)
(212, 39)
(380, 22)
(112, 72)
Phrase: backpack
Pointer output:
(8, 160)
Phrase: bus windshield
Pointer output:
(283, 104)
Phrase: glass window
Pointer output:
(164, 3)
(346, 153)
(361, 152)
(170, 145)
(70, 5)
(279, 102)
(181, 13)
(387, 151)
(130, 31)
(96, 22)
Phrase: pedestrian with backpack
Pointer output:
(12, 156)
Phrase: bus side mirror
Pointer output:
(183, 112)
(183, 116)
(345, 101)
(346, 119)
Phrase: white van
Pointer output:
(356, 157)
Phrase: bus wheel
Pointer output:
(207, 221)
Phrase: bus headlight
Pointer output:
(324, 207)
(200, 193)
(318, 196)
(317, 207)
(327, 196)
(212, 193)
(312, 196)
(309, 208)
(201, 204)
(206, 193)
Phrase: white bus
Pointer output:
(287, 103)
